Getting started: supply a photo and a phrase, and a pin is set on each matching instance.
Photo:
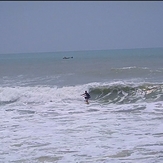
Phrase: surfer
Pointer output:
(86, 96)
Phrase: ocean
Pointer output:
(44, 118)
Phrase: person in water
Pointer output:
(86, 96)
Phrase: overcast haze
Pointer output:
(43, 26)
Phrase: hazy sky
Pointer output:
(43, 26)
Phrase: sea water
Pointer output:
(44, 118)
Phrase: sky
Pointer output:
(52, 26)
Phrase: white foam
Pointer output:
(9, 94)
(55, 122)
(25, 95)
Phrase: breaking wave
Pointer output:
(126, 94)
(103, 93)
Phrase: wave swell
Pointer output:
(126, 94)
(104, 93)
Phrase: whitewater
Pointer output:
(44, 118)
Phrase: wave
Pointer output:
(127, 93)
(103, 93)
(129, 68)
(135, 69)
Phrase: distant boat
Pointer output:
(67, 57)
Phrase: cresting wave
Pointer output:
(103, 93)
(127, 93)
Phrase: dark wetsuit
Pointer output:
(87, 96)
